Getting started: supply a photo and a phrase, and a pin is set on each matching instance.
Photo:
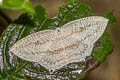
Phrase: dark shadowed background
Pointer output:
(110, 69)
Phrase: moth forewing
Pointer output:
(53, 49)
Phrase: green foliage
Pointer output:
(29, 23)
(71, 11)
(23, 5)
(26, 24)
(111, 17)
(12, 73)
(105, 49)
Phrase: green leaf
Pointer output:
(10, 74)
(71, 11)
(26, 24)
(107, 46)
(18, 68)
(3, 74)
(111, 17)
(71, 1)
(23, 5)
(104, 49)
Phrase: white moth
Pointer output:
(53, 49)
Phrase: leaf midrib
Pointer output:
(67, 14)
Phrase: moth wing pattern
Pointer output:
(27, 49)
(87, 31)
(53, 49)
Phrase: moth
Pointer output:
(55, 48)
